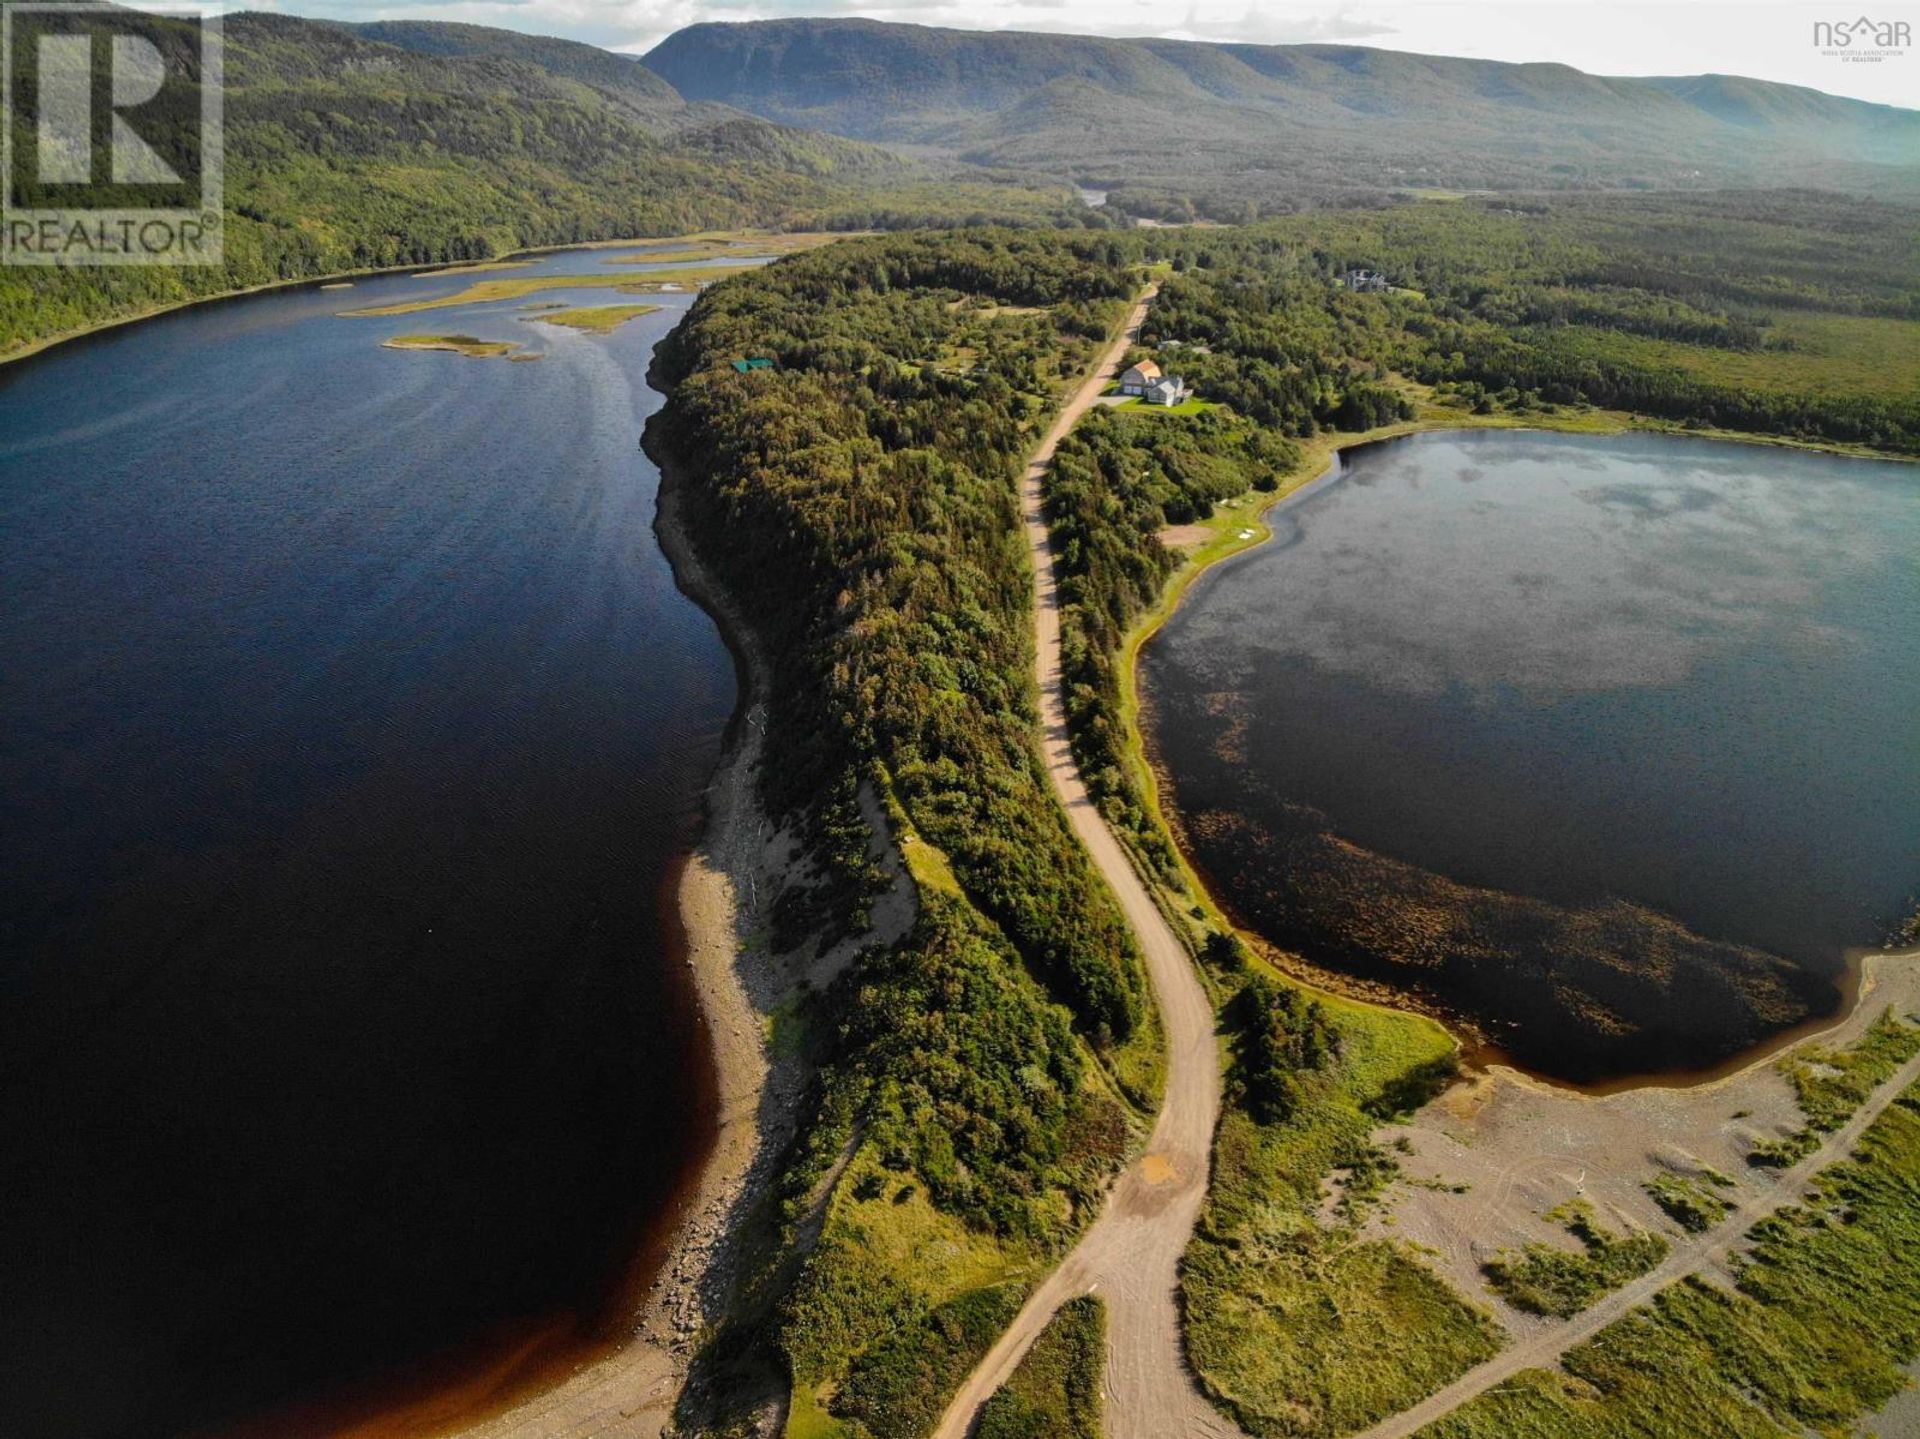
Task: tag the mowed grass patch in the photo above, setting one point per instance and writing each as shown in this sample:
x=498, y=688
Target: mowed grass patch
x=1056, y=1391
x=1816, y=1335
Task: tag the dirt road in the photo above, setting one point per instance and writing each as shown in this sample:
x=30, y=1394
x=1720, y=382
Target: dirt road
x=1709, y=1251
x=1131, y=1254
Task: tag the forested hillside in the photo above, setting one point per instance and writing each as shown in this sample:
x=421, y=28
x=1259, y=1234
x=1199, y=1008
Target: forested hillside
x=410, y=143
x=1230, y=131
x=859, y=498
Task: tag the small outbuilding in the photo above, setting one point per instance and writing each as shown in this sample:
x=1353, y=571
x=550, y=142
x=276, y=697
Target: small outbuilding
x=757, y=362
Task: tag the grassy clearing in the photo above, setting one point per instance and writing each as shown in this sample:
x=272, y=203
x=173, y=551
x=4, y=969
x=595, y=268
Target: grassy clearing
x=1809, y=353
x=1547, y=1279
x=1296, y=1324
x=1831, y=1084
x=1814, y=1337
x=1185, y=407
x=597, y=319
x=458, y=344
x=1055, y=1393
x=1689, y=1200
x=486, y=291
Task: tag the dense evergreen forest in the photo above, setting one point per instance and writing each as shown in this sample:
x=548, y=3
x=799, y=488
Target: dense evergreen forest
x=413, y=144
x=858, y=498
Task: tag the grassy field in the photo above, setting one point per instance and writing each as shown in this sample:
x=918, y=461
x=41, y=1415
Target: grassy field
x=1055, y=1393
x=1551, y=1279
x=1814, y=1337
x=1832, y=1083
x=1808, y=353
x=596, y=319
x=1690, y=1201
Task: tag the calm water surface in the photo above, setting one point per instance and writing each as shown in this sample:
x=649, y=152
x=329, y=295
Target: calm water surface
x=354, y=723
x=1676, y=671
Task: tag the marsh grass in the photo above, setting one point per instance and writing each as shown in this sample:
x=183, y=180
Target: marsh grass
x=458, y=344
x=1815, y=1335
x=482, y=292
x=596, y=319
x=1549, y=1279
x=1689, y=1200
x=1055, y=1393
x=1831, y=1084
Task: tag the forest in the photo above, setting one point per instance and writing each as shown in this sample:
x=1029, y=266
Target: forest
x=352, y=148
x=858, y=498
x=980, y=1079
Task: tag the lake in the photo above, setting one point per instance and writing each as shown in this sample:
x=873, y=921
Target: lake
x=355, y=727
x=1606, y=743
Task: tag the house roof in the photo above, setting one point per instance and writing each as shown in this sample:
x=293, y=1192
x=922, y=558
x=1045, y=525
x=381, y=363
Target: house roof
x=1147, y=370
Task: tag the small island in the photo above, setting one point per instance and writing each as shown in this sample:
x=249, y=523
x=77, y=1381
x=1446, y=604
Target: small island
x=595, y=319
x=468, y=345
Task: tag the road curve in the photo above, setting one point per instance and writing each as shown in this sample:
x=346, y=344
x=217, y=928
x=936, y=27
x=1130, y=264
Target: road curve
x=1131, y=1255
x=1706, y=1252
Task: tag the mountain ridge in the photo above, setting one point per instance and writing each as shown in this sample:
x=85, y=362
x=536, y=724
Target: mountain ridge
x=1284, y=124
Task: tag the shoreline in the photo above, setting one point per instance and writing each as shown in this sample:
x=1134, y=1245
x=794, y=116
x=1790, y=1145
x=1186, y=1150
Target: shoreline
x=1323, y=460
x=633, y=1391
x=342, y=278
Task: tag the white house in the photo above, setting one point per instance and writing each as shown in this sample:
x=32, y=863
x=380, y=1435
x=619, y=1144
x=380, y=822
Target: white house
x=1167, y=390
x=1370, y=282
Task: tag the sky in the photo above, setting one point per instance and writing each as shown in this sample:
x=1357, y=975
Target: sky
x=1772, y=40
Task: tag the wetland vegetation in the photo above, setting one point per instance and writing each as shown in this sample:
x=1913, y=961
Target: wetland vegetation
x=467, y=345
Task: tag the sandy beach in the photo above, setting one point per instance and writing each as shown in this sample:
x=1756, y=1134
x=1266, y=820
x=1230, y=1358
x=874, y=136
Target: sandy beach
x=725, y=891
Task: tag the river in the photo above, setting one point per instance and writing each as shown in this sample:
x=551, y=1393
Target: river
x=355, y=727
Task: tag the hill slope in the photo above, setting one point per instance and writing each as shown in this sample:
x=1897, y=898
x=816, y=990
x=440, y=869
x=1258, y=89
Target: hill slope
x=410, y=143
x=1227, y=124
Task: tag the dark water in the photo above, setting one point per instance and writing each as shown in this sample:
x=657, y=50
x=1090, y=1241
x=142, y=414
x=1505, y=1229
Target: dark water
x=1675, y=671
x=353, y=724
